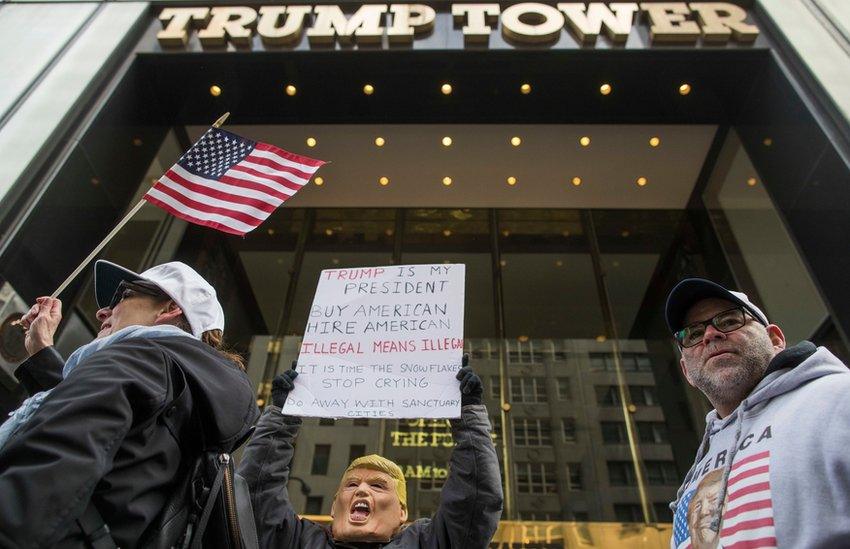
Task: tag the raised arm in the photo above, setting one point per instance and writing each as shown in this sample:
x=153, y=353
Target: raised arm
x=471, y=500
x=43, y=369
x=265, y=466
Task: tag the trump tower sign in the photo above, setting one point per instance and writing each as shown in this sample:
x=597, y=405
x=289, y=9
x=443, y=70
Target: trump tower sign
x=459, y=25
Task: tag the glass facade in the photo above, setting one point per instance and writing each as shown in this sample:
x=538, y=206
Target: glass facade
x=563, y=321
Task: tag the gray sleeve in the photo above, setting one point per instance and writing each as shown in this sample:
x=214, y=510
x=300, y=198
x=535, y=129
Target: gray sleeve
x=265, y=467
x=471, y=500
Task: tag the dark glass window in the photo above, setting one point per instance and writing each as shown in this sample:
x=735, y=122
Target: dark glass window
x=614, y=432
x=355, y=451
x=569, y=428
x=574, y=476
x=532, y=432
x=628, y=512
x=652, y=432
x=564, y=389
x=361, y=422
x=536, y=478
x=327, y=421
x=621, y=473
x=528, y=389
x=662, y=473
x=313, y=505
x=321, y=457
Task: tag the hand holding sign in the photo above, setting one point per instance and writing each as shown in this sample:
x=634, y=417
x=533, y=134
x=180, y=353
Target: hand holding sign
x=382, y=342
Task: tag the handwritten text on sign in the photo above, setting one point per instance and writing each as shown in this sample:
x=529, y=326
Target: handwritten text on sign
x=382, y=342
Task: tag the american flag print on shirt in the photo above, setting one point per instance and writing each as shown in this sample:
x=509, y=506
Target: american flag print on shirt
x=748, y=518
x=230, y=183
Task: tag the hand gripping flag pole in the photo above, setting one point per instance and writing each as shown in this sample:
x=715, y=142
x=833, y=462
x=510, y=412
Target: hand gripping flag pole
x=223, y=181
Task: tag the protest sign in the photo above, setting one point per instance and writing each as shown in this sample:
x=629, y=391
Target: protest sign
x=382, y=342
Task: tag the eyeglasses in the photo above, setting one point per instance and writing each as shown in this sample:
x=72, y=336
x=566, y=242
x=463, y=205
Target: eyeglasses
x=127, y=289
x=726, y=321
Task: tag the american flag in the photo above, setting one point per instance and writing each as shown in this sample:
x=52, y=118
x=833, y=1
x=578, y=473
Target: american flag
x=230, y=183
x=748, y=518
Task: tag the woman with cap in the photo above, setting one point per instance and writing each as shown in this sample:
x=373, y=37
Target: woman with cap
x=104, y=429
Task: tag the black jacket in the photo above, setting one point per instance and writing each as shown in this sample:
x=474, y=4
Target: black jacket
x=470, y=503
x=109, y=433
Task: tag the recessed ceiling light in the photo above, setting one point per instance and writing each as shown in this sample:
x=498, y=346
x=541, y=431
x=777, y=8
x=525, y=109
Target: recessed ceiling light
x=319, y=181
x=516, y=141
x=525, y=89
x=522, y=338
x=290, y=90
x=654, y=141
x=503, y=262
x=605, y=89
x=506, y=233
x=379, y=141
x=368, y=89
x=576, y=181
x=684, y=89
x=601, y=338
x=559, y=263
x=584, y=141
x=512, y=181
x=270, y=231
x=311, y=141
x=215, y=90
x=329, y=232
x=447, y=232
x=641, y=181
x=446, y=89
x=388, y=232
x=137, y=142
x=447, y=181
x=752, y=182
x=625, y=233
x=384, y=181
x=447, y=141
x=767, y=142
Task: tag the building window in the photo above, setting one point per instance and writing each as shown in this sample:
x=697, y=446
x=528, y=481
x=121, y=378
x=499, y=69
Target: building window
x=495, y=387
x=607, y=395
x=643, y=395
x=537, y=516
x=536, y=478
x=621, y=473
x=528, y=389
x=652, y=432
x=313, y=505
x=355, y=451
x=574, y=476
x=361, y=422
x=532, y=432
x=628, y=512
x=661, y=473
x=614, y=432
x=569, y=429
x=327, y=421
x=631, y=362
x=564, y=389
x=662, y=511
x=321, y=457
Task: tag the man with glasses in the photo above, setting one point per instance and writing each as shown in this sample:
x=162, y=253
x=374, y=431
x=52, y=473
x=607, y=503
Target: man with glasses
x=96, y=451
x=776, y=444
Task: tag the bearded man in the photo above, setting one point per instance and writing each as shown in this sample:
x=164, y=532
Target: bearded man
x=775, y=446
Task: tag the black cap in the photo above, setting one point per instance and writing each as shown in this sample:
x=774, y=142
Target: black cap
x=690, y=290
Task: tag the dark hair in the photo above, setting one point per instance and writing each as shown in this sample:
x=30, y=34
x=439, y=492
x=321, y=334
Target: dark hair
x=213, y=338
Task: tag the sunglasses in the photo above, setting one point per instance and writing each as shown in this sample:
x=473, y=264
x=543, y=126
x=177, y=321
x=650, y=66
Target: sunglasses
x=726, y=321
x=129, y=289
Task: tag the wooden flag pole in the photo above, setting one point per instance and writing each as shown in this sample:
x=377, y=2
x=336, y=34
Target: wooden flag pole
x=217, y=124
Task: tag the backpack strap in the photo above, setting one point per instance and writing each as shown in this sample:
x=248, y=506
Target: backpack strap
x=96, y=534
x=212, y=496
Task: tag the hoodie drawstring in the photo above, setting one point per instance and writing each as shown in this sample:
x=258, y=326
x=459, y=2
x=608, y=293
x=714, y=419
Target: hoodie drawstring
x=727, y=467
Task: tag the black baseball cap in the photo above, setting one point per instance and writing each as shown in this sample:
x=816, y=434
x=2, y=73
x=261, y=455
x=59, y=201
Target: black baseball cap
x=690, y=290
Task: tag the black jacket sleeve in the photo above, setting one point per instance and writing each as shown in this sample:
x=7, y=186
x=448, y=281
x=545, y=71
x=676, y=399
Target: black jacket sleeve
x=265, y=465
x=49, y=469
x=41, y=371
x=471, y=499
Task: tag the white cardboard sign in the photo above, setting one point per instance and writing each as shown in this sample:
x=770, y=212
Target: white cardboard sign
x=382, y=342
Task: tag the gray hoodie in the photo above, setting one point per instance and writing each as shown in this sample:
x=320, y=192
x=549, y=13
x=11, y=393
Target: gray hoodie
x=779, y=464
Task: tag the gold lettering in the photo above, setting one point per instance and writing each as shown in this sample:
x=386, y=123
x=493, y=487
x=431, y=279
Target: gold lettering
x=616, y=19
x=176, y=22
x=364, y=25
x=288, y=33
x=409, y=20
x=720, y=21
x=229, y=23
x=669, y=22
x=476, y=20
x=532, y=23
